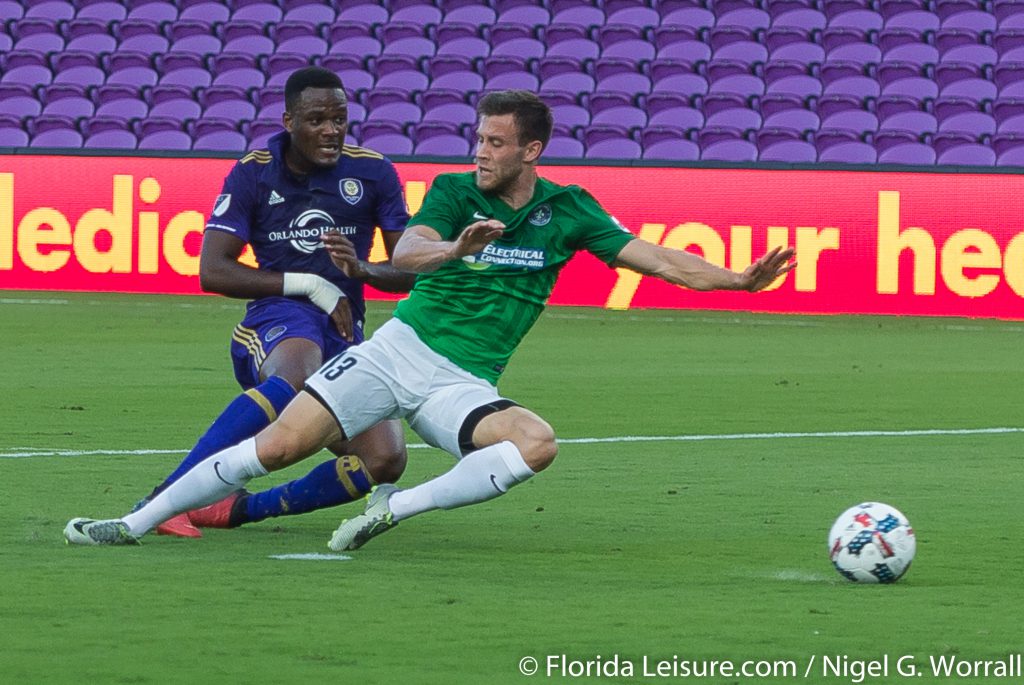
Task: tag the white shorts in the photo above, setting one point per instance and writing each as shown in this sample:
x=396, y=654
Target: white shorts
x=394, y=375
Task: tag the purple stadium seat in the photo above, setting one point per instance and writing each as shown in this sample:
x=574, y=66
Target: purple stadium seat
x=473, y=48
x=413, y=47
x=512, y=80
x=630, y=117
x=683, y=84
x=107, y=10
x=110, y=122
x=778, y=69
x=692, y=17
x=1007, y=112
x=28, y=74
x=1011, y=157
x=453, y=112
x=667, y=113
x=976, y=124
x=740, y=118
x=794, y=151
x=861, y=88
x=179, y=109
x=408, y=81
x=50, y=122
x=155, y=10
x=890, y=8
x=478, y=15
x=449, y=31
x=630, y=13
x=976, y=89
x=572, y=82
x=404, y=112
x=237, y=110
x=262, y=12
x=802, y=87
x=689, y=54
x=379, y=97
x=448, y=145
x=631, y=84
x=736, y=150
x=673, y=150
x=917, y=154
x=858, y=122
x=57, y=138
x=748, y=17
x=571, y=12
x=12, y=135
x=389, y=144
x=968, y=154
x=578, y=48
x=802, y=120
x=313, y=13
x=524, y=14
x=114, y=139
x=967, y=16
x=747, y=52
x=848, y=153
x=416, y=14
x=614, y=149
x=308, y=46
x=356, y=45
x=220, y=140
x=570, y=116
x=205, y=11
x=563, y=147
x=166, y=140
x=73, y=107
x=916, y=123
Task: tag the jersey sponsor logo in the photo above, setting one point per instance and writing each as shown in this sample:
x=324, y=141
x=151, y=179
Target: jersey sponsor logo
x=305, y=230
x=221, y=204
x=351, y=190
x=541, y=216
x=493, y=255
x=275, y=333
x=275, y=198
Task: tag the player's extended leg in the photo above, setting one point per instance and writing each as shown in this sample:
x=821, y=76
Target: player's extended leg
x=376, y=456
x=304, y=428
x=512, y=444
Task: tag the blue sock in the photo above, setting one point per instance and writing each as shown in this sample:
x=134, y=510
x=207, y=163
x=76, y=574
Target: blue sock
x=247, y=415
x=331, y=483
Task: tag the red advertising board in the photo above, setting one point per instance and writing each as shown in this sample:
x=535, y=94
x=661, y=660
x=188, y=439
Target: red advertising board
x=921, y=243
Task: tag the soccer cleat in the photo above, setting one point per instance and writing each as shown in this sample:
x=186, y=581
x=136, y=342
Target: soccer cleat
x=179, y=526
x=83, y=531
x=356, y=532
x=218, y=514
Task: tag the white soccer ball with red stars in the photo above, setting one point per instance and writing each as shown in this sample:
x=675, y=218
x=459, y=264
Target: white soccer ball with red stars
x=872, y=543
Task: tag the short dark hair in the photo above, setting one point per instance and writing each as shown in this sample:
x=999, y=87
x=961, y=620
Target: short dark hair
x=532, y=116
x=308, y=77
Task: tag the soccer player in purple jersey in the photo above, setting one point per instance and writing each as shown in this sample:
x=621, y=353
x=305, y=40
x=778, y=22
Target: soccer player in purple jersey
x=306, y=191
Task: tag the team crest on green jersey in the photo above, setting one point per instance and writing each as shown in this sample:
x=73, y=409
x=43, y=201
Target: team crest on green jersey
x=541, y=215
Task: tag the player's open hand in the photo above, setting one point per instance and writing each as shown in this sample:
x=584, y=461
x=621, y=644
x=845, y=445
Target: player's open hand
x=343, y=254
x=342, y=318
x=765, y=270
x=477, y=236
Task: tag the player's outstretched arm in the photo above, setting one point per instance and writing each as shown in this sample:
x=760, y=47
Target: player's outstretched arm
x=421, y=249
x=690, y=270
x=221, y=272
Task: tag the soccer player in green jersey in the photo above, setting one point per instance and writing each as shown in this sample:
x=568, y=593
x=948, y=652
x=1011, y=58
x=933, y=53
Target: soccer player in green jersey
x=488, y=246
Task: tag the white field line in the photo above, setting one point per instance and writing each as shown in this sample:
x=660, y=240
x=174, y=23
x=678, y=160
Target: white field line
x=28, y=452
x=666, y=316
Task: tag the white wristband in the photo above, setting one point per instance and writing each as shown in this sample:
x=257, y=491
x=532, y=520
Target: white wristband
x=320, y=291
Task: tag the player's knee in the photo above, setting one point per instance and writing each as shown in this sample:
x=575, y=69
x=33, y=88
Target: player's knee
x=537, y=444
x=387, y=466
x=279, y=447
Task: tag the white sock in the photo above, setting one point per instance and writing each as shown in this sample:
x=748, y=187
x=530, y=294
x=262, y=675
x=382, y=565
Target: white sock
x=209, y=481
x=478, y=477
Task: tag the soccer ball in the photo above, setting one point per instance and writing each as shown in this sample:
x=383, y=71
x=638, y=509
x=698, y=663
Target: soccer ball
x=872, y=543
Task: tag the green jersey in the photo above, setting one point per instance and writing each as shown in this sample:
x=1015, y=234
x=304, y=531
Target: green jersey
x=476, y=310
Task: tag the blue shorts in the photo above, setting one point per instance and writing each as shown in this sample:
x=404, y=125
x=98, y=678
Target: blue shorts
x=270, y=321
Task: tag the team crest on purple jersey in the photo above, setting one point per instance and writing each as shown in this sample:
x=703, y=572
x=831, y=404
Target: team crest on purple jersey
x=221, y=204
x=351, y=190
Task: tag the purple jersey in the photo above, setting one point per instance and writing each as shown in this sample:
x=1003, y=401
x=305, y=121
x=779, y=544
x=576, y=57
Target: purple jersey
x=282, y=216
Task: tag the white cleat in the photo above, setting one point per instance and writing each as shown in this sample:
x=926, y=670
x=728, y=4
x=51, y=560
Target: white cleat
x=355, y=532
x=83, y=531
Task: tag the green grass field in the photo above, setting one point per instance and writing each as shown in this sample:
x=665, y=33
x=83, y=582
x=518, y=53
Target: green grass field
x=709, y=549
